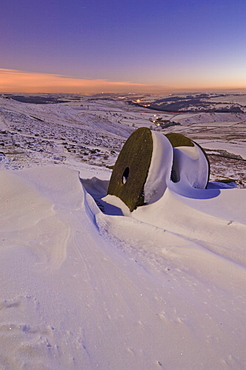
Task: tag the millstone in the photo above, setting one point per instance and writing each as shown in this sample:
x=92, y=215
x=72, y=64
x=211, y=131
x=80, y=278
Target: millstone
x=131, y=169
x=148, y=159
x=200, y=180
x=179, y=140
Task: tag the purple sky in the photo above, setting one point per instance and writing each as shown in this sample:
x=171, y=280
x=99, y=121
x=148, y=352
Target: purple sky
x=170, y=43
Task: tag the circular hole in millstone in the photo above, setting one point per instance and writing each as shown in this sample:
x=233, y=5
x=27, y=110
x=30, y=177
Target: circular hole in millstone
x=125, y=175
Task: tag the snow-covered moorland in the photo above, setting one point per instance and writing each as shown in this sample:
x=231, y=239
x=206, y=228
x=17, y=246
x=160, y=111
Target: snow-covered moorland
x=84, y=286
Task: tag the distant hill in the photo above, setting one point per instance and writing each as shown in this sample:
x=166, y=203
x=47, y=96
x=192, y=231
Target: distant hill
x=207, y=103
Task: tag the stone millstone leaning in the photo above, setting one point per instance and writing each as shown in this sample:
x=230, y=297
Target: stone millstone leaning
x=149, y=161
x=131, y=169
x=190, y=162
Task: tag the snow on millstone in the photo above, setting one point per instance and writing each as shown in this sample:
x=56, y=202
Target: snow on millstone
x=159, y=169
x=190, y=163
x=149, y=160
x=140, y=172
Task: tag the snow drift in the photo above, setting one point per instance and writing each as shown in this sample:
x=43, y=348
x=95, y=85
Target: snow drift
x=84, y=289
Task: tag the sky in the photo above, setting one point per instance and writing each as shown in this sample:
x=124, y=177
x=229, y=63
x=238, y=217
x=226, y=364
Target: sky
x=88, y=46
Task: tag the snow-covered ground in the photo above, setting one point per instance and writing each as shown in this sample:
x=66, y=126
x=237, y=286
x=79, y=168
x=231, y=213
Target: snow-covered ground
x=81, y=288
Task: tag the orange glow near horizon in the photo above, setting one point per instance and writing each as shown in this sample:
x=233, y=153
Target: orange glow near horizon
x=15, y=81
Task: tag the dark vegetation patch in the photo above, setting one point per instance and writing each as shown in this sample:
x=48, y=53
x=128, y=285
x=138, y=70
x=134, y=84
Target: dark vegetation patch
x=37, y=99
x=39, y=119
x=225, y=166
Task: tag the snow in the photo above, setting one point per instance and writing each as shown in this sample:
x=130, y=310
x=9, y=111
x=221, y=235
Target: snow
x=80, y=288
x=190, y=167
x=232, y=147
x=160, y=168
x=161, y=287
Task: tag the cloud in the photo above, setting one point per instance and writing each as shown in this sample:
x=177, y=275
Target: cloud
x=19, y=81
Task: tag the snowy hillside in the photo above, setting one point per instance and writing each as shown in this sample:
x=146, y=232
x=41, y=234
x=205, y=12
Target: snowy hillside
x=198, y=102
x=94, y=130
x=84, y=286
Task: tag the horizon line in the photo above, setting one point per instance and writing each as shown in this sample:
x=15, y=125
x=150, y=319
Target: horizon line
x=17, y=81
